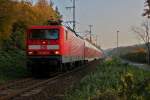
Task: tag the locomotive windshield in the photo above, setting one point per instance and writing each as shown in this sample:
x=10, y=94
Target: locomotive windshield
x=44, y=34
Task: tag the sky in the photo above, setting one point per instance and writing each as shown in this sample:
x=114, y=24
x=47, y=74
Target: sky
x=107, y=17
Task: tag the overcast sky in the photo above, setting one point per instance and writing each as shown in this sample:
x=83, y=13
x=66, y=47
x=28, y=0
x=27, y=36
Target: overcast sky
x=106, y=16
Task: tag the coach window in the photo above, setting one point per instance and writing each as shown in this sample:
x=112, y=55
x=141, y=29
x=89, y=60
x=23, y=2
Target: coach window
x=66, y=34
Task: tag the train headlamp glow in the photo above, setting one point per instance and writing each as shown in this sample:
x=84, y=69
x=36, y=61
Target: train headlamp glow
x=30, y=52
x=56, y=52
x=43, y=42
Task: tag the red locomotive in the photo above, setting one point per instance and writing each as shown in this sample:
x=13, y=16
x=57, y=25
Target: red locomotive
x=57, y=46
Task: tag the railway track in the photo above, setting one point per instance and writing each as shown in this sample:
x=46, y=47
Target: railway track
x=14, y=89
x=14, y=83
x=23, y=87
x=27, y=87
x=11, y=90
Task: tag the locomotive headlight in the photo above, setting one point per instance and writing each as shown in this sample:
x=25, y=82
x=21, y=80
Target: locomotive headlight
x=56, y=52
x=30, y=52
x=43, y=42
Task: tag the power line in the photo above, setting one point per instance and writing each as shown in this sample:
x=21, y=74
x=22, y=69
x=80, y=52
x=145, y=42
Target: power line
x=117, y=42
x=74, y=14
x=90, y=26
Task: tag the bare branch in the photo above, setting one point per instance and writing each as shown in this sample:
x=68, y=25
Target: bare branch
x=139, y=32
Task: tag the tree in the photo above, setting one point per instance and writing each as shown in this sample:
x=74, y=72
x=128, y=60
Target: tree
x=144, y=33
x=51, y=3
x=7, y=8
x=17, y=15
x=147, y=9
x=42, y=3
x=57, y=13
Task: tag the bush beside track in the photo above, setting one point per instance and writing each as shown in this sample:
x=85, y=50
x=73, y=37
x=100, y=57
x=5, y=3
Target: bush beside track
x=139, y=57
x=113, y=81
x=12, y=65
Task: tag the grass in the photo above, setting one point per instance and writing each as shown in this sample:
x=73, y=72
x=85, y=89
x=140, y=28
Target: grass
x=112, y=81
x=12, y=65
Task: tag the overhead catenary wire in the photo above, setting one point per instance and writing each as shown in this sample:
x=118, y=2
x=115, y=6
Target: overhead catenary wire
x=74, y=14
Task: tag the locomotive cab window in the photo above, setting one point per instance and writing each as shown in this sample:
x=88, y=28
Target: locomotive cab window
x=44, y=34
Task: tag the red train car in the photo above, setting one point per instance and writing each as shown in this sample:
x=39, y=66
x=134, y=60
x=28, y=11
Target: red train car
x=92, y=52
x=53, y=44
x=57, y=47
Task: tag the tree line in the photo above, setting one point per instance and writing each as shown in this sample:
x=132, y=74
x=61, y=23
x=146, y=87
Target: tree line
x=144, y=30
x=17, y=15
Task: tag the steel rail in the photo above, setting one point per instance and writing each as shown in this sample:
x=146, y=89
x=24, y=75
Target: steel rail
x=19, y=92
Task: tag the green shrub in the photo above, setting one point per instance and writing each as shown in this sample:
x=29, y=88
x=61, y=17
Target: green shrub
x=135, y=57
x=12, y=64
x=112, y=81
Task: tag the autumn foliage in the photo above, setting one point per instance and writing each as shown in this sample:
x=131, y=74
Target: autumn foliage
x=16, y=16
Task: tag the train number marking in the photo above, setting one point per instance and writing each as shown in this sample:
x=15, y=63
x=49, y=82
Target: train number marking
x=43, y=46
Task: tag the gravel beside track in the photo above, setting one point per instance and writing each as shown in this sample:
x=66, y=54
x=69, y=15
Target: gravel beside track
x=46, y=89
x=14, y=83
